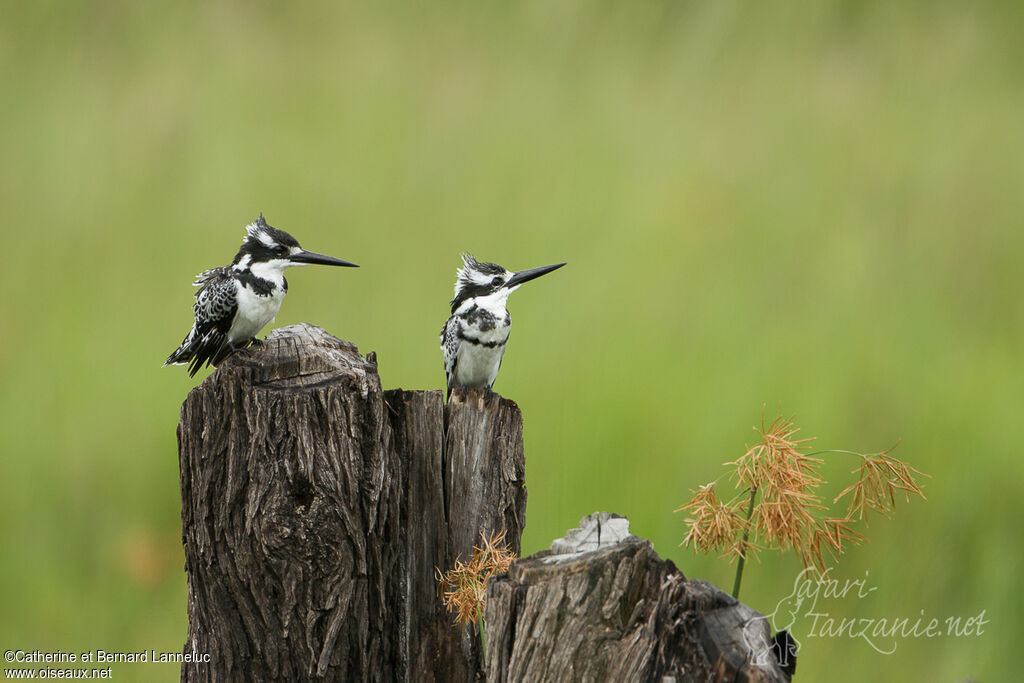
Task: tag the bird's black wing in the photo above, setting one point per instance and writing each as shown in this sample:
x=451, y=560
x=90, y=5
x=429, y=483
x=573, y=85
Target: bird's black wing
x=215, y=308
x=450, y=346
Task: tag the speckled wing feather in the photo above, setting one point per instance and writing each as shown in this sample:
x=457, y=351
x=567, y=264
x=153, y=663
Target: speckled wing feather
x=450, y=346
x=215, y=308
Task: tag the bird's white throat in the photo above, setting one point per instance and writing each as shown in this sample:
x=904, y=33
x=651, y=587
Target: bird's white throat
x=272, y=271
x=494, y=303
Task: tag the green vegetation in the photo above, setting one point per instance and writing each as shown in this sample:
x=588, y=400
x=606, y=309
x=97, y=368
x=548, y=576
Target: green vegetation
x=816, y=208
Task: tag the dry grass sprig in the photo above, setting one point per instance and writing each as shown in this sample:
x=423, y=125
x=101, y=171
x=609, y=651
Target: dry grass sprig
x=881, y=478
x=790, y=515
x=741, y=549
x=776, y=458
x=712, y=523
x=464, y=587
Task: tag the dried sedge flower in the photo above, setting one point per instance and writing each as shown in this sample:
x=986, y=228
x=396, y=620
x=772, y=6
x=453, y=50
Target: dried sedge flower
x=741, y=549
x=464, y=588
x=713, y=524
x=777, y=459
x=779, y=472
x=784, y=521
x=829, y=535
x=880, y=478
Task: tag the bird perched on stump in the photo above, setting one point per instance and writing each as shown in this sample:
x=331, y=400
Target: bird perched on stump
x=474, y=337
x=235, y=302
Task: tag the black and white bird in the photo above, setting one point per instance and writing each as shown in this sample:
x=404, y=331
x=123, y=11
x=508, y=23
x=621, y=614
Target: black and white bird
x=474, y=337
x=235, y=302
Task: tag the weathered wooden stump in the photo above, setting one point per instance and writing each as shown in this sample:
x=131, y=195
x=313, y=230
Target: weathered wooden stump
x=316, y=507
x=600, y=605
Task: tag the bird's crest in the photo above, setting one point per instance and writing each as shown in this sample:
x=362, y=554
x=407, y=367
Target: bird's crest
x=474, y=272
x=262, y=232
x=476, y=278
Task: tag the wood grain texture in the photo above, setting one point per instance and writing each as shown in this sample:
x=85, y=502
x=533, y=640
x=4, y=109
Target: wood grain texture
x=484, y=483
x=600, y=605
x=315, y=508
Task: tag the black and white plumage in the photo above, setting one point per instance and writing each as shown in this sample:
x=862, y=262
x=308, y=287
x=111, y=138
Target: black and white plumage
x=474, y=337
x=235, y=302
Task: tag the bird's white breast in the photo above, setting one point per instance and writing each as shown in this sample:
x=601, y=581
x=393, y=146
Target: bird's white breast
x=477, y=363
x=477, y=366
x=254, y=312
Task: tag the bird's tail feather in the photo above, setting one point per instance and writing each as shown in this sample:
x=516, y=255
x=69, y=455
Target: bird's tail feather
x=209, y=351
x=197, y=352
x=183, y=353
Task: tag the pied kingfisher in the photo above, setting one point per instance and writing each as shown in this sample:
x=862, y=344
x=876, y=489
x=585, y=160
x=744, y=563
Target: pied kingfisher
x=474, y=338
x=235, y=302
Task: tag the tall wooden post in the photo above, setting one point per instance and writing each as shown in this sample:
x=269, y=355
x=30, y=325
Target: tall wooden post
x=316, y=507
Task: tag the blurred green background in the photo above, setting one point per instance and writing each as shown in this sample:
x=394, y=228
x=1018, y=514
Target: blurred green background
x=813, y=208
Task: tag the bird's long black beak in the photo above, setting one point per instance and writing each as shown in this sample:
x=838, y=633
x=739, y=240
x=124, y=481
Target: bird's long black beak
x=313, y=257
x=527, y=275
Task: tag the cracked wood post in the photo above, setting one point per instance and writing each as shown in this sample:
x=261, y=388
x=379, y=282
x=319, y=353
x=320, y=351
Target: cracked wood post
x=600, y=605
x=316, y=507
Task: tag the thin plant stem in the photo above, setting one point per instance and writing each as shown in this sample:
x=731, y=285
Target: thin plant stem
x=833, y=450
x=746, y=538
x=483, y=640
